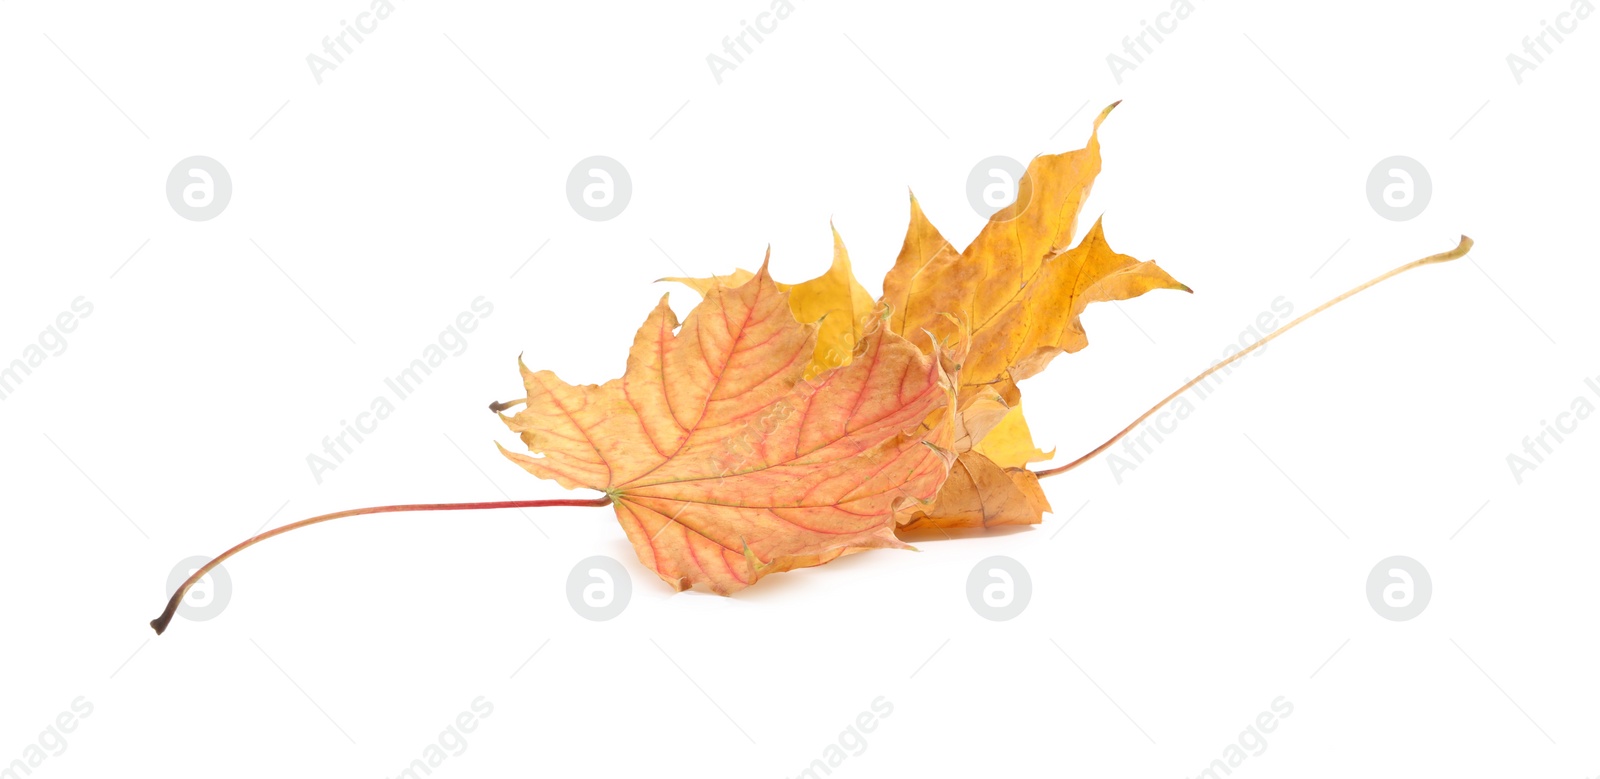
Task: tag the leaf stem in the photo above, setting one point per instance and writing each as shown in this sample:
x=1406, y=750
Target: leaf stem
x=160, y=623
x=501, y=405
x=1456, y=253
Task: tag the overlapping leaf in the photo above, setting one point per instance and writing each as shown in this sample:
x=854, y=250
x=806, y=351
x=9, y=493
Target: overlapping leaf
x=722, y=462
x=1014, y=296
x=1017, y=289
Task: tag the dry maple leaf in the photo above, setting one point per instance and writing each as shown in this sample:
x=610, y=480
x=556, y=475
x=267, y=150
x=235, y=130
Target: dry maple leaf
x=1016, y=289
x=723, y=464
x=1015, y=295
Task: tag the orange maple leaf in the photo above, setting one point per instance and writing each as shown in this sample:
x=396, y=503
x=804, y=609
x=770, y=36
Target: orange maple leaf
x=722, y=463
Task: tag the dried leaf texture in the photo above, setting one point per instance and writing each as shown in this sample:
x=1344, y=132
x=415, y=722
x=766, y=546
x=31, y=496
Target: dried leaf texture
x=1014, y=298
x=723, y=463
x=1017, y=290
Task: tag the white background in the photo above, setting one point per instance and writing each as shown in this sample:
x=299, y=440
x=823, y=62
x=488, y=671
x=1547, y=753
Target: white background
x=1226, y=570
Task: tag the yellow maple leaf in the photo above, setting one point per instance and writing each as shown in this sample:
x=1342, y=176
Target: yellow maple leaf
x=1013, y=298
x=1016, y=289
